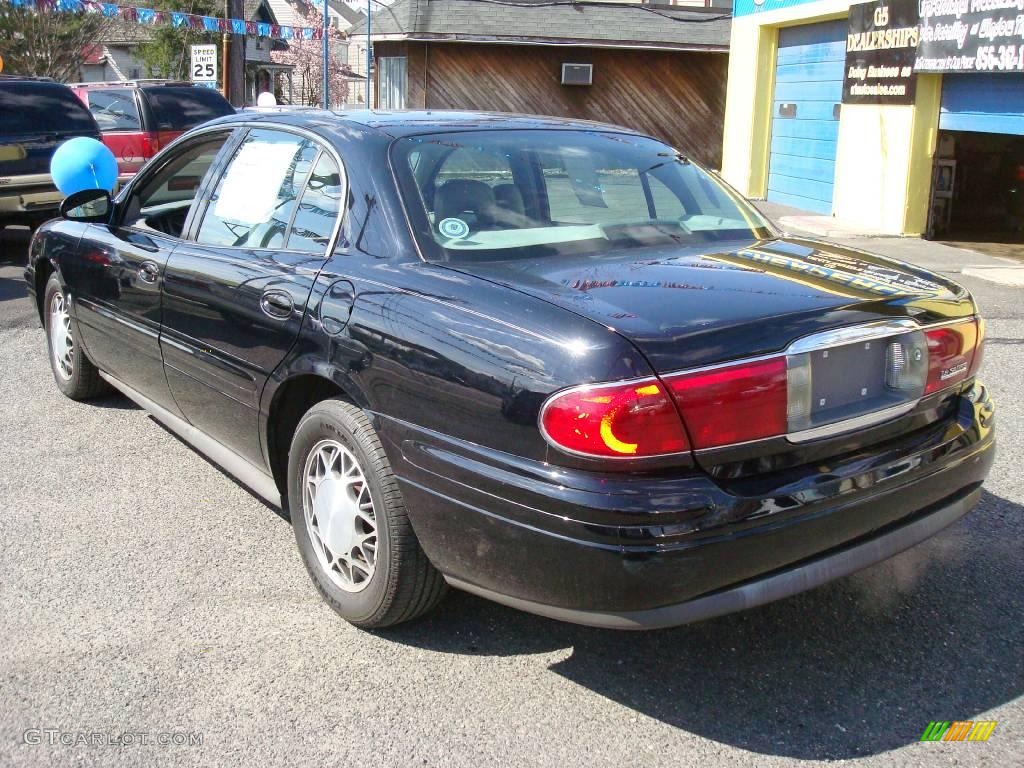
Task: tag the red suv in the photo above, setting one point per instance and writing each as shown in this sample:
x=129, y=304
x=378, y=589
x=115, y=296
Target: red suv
x=139, y=117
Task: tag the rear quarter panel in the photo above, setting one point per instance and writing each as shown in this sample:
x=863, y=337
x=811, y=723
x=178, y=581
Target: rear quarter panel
x=454, y=355
x=127, y=147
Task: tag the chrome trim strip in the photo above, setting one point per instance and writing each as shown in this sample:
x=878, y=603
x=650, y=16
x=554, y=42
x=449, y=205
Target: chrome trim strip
x=849, y=425
x=118, y=317
x=836, y=337
x=322, y=141
x=765, y=589
x=728, y=364
x=852, y=334
x=258, y=481
x=25, y=180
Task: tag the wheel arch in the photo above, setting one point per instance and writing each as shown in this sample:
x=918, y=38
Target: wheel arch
x=43, y=269
x=288, y=401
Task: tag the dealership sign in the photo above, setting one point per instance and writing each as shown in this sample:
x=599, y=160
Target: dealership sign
x=952, y=36
x=880, y=50
x=971, y=36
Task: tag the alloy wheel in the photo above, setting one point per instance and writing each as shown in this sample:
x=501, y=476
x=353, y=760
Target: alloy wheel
x=340, y=516
x=62, y=343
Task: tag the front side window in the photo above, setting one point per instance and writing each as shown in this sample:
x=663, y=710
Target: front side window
x=162, y=201
x=256, y=197
x=527, y=194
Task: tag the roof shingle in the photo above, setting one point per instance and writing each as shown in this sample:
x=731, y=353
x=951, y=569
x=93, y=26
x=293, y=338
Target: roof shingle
x=597, y=23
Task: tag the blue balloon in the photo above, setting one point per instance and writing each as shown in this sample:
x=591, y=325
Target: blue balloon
x=83, y=163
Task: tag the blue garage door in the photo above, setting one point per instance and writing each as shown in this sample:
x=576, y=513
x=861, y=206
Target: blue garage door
x=805, y=115
x=985, y=103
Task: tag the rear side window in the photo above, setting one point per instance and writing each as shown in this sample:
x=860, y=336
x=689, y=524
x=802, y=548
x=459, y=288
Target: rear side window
x=178, y=109
x=28, y=107
x=256, y=196
x=314, y=220
x=114, y=110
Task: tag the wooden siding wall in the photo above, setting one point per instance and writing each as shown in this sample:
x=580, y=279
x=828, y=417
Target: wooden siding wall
x=676, y=96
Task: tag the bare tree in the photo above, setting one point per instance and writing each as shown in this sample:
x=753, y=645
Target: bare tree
x=46, y=42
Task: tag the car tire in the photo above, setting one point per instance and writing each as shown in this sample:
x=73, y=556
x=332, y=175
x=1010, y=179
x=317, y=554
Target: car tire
x=73, y=371
x=350, y=521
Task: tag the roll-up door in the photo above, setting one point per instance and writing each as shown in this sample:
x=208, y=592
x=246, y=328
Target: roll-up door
x=983, y=103
x=805, y=115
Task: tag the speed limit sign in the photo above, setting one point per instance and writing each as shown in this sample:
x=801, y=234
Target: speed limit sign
x=204, y=64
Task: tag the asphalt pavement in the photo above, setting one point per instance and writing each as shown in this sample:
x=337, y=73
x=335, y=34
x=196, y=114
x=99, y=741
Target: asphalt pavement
x=145, y=598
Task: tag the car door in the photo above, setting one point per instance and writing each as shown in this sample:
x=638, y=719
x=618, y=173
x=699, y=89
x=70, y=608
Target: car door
x=116, y=280
x=236, y=293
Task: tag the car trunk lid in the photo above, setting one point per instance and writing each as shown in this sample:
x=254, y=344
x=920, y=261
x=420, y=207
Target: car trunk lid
x=688, y=310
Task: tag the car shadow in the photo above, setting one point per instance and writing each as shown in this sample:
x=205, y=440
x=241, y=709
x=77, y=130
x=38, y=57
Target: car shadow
x=14, y=245
x=854, y=668
x=281, y=512
x=11, y=288
x=115, y=401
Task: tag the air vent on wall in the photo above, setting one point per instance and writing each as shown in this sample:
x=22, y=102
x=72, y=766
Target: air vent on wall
x=577, y=74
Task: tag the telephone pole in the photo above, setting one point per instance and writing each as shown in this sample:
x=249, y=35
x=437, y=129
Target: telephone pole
x=236, y=58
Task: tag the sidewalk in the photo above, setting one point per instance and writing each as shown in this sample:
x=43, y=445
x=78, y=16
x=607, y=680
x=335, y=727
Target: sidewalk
x=926, y=253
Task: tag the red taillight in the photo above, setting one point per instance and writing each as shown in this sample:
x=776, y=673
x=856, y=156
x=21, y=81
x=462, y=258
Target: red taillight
x=630, y=420
x=150, y=144
x=780, y=396
x=951, y=355
x=733, y=404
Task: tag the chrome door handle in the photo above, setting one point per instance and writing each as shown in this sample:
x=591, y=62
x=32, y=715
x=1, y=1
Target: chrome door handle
x=149, y=271
x=277, y=304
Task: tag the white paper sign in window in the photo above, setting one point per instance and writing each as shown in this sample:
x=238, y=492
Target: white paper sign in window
x=251, y=188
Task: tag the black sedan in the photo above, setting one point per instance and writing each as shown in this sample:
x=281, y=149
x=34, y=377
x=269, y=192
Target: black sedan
x=554, y=363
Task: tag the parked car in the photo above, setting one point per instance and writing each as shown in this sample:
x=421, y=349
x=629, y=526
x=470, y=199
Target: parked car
x=554, y=363
x=36, y=116
x=138, y=117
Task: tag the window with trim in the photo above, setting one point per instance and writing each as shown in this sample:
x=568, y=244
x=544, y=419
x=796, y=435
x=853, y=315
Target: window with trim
x=392, y=82
x=318, y=209
x=115, y=109
x=492, y=195
x=256, y=196
x=161, y=202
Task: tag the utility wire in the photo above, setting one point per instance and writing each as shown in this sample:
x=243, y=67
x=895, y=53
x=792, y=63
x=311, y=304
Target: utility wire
x=585, y=3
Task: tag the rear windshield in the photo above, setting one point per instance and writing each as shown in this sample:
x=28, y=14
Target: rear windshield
x=34, y=108
x=114, y=109
x=178, y=109
x=482, y=195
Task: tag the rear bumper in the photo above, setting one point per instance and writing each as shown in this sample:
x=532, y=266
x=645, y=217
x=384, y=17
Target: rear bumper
x=633, y=551
x=774, y=586
x=30, y=204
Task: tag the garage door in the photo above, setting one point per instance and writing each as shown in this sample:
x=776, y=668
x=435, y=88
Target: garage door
x=805, y=115
x=984, y=103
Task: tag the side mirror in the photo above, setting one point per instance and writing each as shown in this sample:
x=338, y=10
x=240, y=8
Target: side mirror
x=93, y=205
